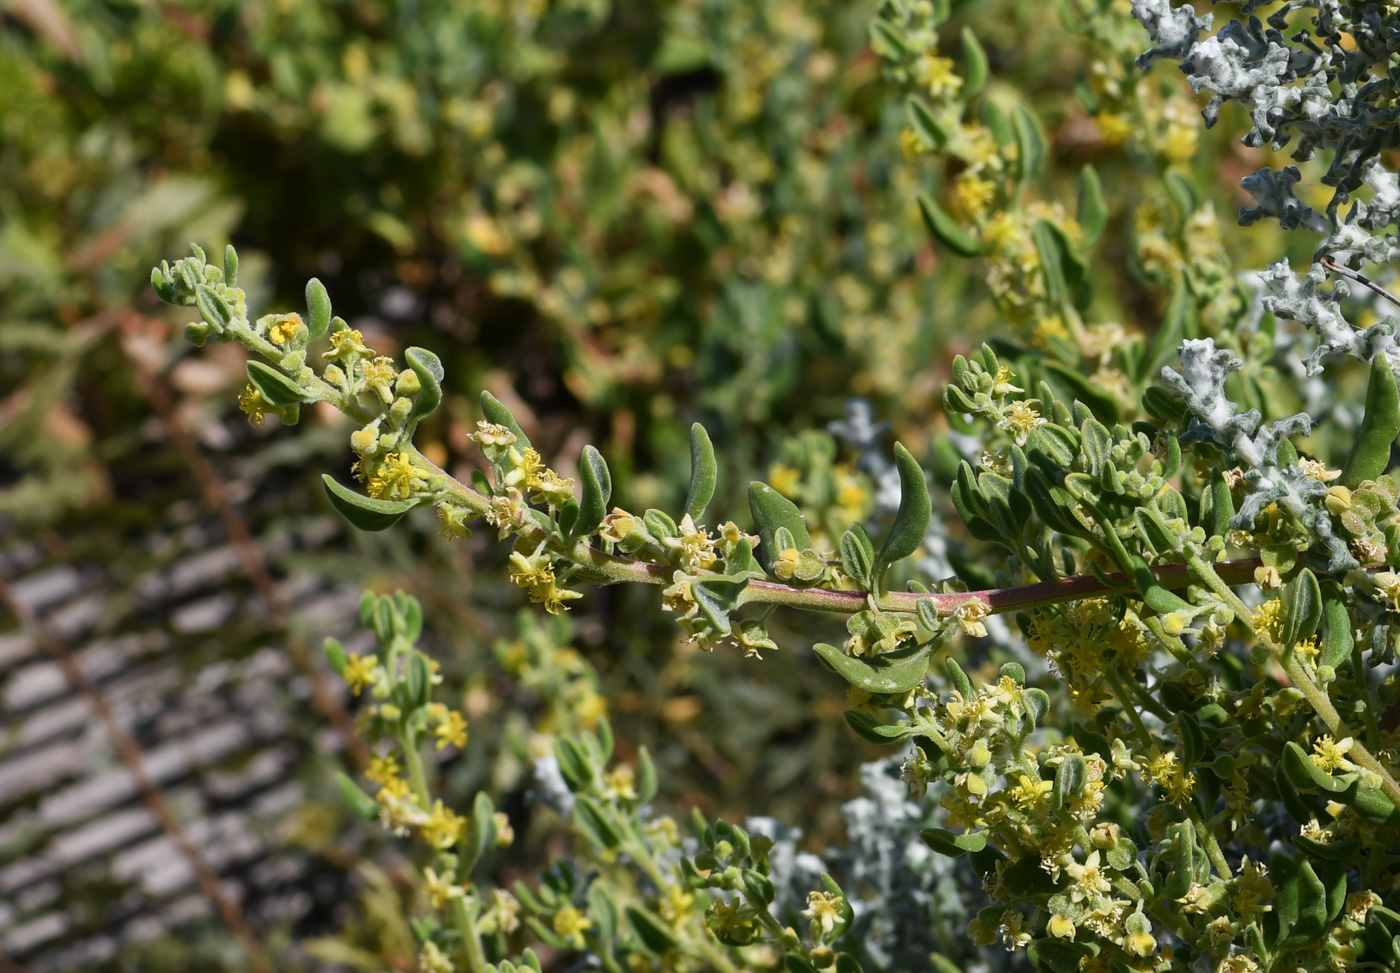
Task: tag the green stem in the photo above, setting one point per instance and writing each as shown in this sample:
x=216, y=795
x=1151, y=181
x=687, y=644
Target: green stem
x=1363, y=693
x=1172, y=643
x=1315, y=696
x=416, y=778
x=1207, y=833
x=465, y=917
x=1122, y=693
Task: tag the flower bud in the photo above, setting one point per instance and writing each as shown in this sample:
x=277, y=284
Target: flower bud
x=408, y=383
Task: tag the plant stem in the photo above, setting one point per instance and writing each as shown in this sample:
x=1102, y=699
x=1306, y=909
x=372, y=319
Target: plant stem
x=1363, y=691
x=1122, y=693
x=414, y=760
x=471, y=939
x=1207, y=833
x=1316, y=697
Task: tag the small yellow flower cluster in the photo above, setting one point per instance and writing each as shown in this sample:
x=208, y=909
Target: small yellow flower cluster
x=824, y=909
x=449, y=726
x=535, y=573
x=251, y=401
x=395, y=477
x=1166, y=771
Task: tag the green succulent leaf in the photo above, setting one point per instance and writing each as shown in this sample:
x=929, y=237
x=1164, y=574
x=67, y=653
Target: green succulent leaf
x=890, y=673
x=318, y=308
x=946, y=231
x=952, y=843
x=495, y=411
x=771, y=511
x=1030, y=143
x=1093, y=213
x=359, y=803
x=365, y=513
x=1304, y=609
x=1370, y=456
x=703, y=473
x=427, y=367
x=974, y=64
x=912, y=519
x=275, y=387
x=212, y=308
x=925, y=126
x=596, y=491
x=655, y=936
x=717, y=597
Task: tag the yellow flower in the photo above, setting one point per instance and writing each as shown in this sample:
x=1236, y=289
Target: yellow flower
x=1359, y=904
x=381, y=770
x=379, y=375
x=251, y=401
x=1030, y=793
x=1113, y=129
x=443, y=829
x=528, y=466
x=491, y=434
x=503, y=915
x=454, y=520
x=550, y=488
x=432, y=960
x=1019, y=419
x=359, y=671
x=1013, y=931
x=1060, y=927
x=1049, y=329
x=786, y=563
x=1140, y=943
x=696, y=547
x=1269, y=619
x=824, y=909
x=572, y=924
x=675, y=904
x=910, y=145
x=939, y=76
x=440, y=888
x=970, y=615
x=506, y=513
x=396, y=478
x=1089, y=880
x=451, y=730
x=620, y=784
x=972, y=194
x=392, y=789
x=1330, y=755
x=1180, y=142
x=1001, y=383
x=1388, y=583
x=346, y=343
x=1314, y=470
x=287, y=328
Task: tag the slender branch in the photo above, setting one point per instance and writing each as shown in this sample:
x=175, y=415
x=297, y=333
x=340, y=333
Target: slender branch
x=465, y=916
x=1316, y=696
x=1361, y=279
x=130, y=753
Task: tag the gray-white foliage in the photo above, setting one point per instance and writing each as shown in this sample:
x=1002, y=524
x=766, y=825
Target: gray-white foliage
x=1318, y=74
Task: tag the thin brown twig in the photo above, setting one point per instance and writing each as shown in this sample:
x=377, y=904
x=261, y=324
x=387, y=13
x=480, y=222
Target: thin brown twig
x=1361, y=279
x=240, y=537
x=130, y=753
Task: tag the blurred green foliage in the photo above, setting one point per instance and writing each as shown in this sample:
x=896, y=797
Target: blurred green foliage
x=620, y=217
